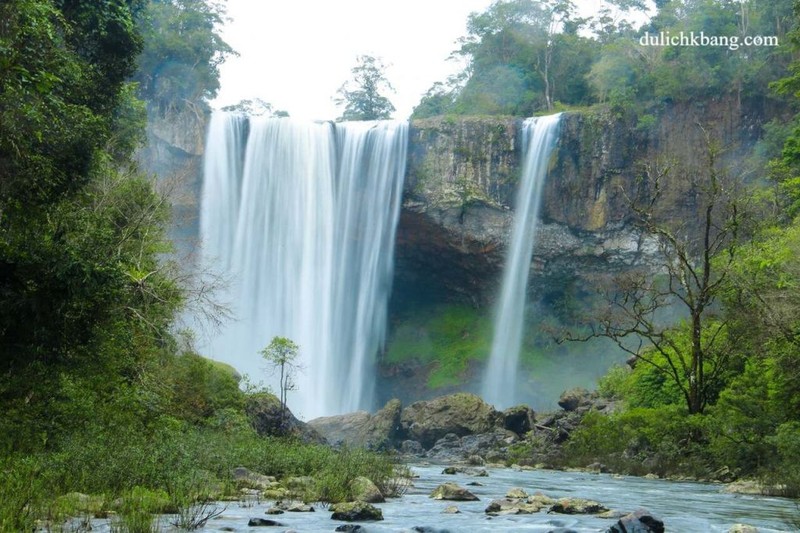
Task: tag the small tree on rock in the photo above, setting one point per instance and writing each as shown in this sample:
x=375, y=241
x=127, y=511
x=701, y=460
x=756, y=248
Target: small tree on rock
x=281, y=354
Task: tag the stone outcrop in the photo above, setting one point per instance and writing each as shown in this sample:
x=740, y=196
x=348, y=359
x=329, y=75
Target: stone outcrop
x=379, y=431
x=267, y=418
x=460, y=414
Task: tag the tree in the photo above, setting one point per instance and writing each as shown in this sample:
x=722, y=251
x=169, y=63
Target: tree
x=697, y=255
x=282, y=355
x=362, y=95
x=182, y=53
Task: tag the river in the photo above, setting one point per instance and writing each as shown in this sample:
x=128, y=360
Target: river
x=686, y=507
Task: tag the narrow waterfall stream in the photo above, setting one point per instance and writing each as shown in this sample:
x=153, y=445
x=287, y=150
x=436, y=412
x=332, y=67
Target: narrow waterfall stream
x=499, y=381
x=302, y=218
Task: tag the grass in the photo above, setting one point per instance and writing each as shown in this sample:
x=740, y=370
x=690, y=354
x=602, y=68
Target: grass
x=172, y=468
x=446, y=337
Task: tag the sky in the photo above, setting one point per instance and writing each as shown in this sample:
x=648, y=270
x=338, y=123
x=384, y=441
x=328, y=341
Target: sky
x=295, y=54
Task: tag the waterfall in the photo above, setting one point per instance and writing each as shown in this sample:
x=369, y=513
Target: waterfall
x=303, y=221
x=500, y=379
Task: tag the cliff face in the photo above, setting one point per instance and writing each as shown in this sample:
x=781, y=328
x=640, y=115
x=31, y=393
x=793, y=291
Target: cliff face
x=463, y=174
x=174, y=153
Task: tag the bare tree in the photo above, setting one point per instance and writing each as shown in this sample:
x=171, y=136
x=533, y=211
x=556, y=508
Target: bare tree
x=697, y=245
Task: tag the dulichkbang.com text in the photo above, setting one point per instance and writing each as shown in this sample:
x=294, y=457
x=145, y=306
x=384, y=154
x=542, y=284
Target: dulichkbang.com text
x=732, y=42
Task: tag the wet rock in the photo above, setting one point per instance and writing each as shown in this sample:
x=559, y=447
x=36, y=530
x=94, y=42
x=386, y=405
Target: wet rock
x=350, y=528
x=428, y=529
x=298, y=507
x=355, y=512
x=460, y=414
x=516, y=493
x=639, y=521
x=467, y=470
x=541, y=499
x=452, y=509
x=742, y=528
x=519, y=419
x=507, y=506
x=451, y=491
x=562, y=530
x=292, y=507
x=577, y=506
x=274, y=511
x=262, y=522
x=365, y=490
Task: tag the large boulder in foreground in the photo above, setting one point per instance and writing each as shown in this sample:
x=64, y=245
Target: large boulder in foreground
x=264, y=412
x=460, y=414
x=380, y=431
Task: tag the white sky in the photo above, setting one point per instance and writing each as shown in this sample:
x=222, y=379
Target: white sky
x=295, y=54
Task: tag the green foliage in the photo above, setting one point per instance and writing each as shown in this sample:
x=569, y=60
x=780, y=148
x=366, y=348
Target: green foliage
x=664, y=441
x=334, y=482
x=447, y=337
x=182, y=53
x=362, y=96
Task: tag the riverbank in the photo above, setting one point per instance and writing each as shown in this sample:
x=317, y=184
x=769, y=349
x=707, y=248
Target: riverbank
x=683, y=506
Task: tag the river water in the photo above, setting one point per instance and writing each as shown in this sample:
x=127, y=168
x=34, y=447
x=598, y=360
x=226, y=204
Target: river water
x=684, y=507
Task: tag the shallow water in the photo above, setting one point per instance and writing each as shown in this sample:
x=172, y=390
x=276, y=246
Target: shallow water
x=683, y=506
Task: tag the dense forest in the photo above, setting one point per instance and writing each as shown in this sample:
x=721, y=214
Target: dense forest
x=101, y=393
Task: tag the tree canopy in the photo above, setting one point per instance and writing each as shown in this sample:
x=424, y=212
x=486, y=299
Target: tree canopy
x=363, y=95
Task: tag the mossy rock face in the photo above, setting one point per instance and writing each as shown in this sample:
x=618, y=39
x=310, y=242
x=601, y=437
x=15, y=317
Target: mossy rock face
x=355, y=512
x=461, y=414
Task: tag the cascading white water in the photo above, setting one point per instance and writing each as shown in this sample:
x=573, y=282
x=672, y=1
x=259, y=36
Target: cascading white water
x=311, y=255
x=499, y=382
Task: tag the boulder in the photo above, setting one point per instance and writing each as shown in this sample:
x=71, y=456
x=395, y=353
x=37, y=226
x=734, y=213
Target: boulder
x=507, y=506
x=460, y=414
x=411, y=447
x=365, y=490
x=355, y=512
x=380, y=431
x=639, y=521
x=341, y=430
x=577, y=506
x=451, y=509
x=519, y=419
x=573, y=399
x=264, y=412
x=451, y=491
x=350, y=528
x=516, y=493
x=262, y=522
